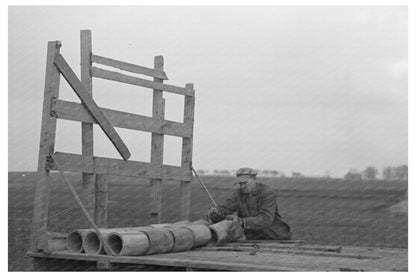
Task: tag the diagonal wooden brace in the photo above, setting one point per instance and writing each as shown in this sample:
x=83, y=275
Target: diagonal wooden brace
x=91, y=106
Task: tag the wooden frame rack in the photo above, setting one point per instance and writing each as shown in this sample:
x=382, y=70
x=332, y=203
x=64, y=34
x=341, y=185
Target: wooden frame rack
x=95, y=169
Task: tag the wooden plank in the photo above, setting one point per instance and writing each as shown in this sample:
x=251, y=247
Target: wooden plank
x=107, y=266
x=277, y=244
x=102, y=165
x=394, y=259
x=292, y=241
x=185, y=196
x=94, y=187
x=77, y=112
x=185, y=193
x=224, y=260
x=38, y=238
x=101, y=200
x=241, y=261
x=168, y=260
x=116, y=76
x=87, y=135
x=156, y=158
x=253, y=250
x=92, y=107
x=380, y=252
x=130, y=67
x=316, y=263
x=155, y=208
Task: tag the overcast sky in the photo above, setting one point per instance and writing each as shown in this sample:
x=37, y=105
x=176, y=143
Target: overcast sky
x=307, y=89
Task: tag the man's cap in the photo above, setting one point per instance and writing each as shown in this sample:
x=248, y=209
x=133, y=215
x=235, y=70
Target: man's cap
x=246, y=172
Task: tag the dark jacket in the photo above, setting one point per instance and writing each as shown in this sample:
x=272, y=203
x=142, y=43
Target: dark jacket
x=260, y=213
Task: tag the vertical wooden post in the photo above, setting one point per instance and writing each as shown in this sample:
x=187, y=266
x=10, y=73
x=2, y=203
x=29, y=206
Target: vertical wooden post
x=156, y=158
x=46, y=148
x=88, y=179
x=188, y=118
x=101, y=200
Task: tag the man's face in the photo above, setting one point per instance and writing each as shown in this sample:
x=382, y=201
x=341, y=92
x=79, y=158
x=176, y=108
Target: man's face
x=247, y=184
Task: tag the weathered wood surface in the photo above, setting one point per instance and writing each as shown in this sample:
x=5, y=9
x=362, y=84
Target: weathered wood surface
x=101, y=200
x=107, y=266
x=188, y=118
x=294, y=251
x=38, y=238
x=286, y=245
x=75, y=163
x=116, y=76
x=157, y=143
x=87, y=135
x=77, y=112
x=258, y=259
x=92, y=107
x=130, y=67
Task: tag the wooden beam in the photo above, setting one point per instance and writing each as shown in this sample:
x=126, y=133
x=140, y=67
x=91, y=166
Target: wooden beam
x=77, y=112
x=101, y=200
x=130, y=67
x=38, y=238
x=185, y=192
x=115, y=76
x=155, y=201
x=156, y=158
x=92, y=107
x=76, y=163
x=88, y=179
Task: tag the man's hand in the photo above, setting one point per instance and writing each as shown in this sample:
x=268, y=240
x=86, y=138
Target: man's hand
x=212, y=211
x=237, y=227
x=237, y=222
x=213, y=214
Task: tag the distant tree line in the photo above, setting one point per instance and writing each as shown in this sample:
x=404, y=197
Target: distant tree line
x=372, y=173
x=369, y=173
x=263, y=173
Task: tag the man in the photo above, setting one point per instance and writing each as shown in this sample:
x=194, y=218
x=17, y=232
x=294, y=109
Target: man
x=256, y=207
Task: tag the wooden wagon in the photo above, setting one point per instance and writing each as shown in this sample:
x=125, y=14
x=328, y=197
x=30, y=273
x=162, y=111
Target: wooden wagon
x=238, y=256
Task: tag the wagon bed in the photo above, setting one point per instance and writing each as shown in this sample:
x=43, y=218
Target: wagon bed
x=239, y=256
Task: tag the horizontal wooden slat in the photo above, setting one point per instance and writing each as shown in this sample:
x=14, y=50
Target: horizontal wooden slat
x=92, y=107
x=77, y=112
x=130, y=67
x=116, y=76
x=101, y=165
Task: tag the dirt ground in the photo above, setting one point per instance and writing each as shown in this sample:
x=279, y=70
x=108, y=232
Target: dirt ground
x=319, y=211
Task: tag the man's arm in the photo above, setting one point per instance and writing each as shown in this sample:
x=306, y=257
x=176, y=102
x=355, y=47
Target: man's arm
x=230, y=206
x=266, y=212
x=216, y=214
